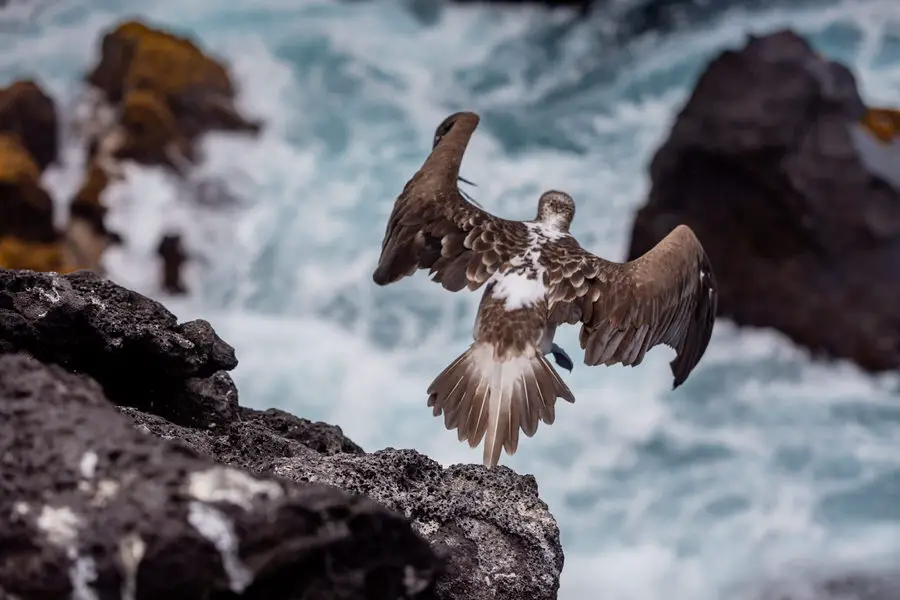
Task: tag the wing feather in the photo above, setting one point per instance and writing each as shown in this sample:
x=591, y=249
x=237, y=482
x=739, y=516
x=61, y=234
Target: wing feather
x=433, y=227
x=667, y=296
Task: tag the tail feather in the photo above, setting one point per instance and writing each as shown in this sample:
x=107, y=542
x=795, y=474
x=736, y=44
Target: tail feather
x=488, y=399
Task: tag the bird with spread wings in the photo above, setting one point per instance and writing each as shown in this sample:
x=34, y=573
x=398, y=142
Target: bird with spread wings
x=537, y=277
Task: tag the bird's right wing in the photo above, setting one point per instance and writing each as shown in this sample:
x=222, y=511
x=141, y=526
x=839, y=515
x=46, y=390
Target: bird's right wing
x=433, y=227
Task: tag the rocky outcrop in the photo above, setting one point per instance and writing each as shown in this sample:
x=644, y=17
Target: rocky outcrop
x=197, y=495
x=763, y=162
x=94, y=508
x=497, y=536
x=169, y=93
x=28, y=237
x=27, y=111
x=131, y=345
x=28, y=145
x=26, y=209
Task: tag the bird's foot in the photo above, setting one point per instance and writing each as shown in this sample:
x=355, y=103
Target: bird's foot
x=561, y=358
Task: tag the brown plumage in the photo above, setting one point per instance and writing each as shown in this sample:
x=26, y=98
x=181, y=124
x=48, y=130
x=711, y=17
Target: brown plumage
x=538, y=277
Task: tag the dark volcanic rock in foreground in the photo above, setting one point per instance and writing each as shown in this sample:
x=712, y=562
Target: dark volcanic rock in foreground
x=93, y=507
x=76, y=467
x=132, y=345
x=763, y=164
x=499, y=539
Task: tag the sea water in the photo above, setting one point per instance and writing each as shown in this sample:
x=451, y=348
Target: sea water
x=764, y=465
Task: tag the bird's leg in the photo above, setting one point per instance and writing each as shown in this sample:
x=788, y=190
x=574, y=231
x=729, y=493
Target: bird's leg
x=561, y=357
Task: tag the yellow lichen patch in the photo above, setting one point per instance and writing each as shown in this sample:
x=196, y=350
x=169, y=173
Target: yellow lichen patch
x=17, y=167
x=22, y=194
x=169, y=91
x=884, y=123
x=168, y=65
x=170, y=70
x=35, y=256
x=132, y=30
x=26, y=111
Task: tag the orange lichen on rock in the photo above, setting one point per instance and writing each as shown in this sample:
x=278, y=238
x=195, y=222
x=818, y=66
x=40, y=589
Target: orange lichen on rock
x=17, y=167
x=152, y=134
x=884, y=123
x=28, y=144
x=26, y=209
x=169, y=90
x=28, y=239
x=171, y=66
x=16, y=253
x=135, y=56
x=25, y=110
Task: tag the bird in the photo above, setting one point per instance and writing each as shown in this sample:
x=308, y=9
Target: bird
x=536, y=277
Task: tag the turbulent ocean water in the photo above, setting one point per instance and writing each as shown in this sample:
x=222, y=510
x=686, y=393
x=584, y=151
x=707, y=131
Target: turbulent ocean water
x=764, y=466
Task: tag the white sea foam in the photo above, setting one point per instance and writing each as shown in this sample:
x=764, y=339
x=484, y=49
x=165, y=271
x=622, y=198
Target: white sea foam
x=762, y=458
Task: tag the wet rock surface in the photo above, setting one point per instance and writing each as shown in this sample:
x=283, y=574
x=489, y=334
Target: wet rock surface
x=159, y=413
x=762, y=163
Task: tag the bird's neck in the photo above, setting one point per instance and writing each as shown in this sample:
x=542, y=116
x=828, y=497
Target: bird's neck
x=553, y=222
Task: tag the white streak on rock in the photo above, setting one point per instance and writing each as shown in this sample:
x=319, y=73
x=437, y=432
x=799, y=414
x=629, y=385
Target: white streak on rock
x=215, y=527
x=88, y=464
x=82, y=572
x=413, y=581
x=106, y=490
x=224, y=484
x=59, y=525
x=131, y=553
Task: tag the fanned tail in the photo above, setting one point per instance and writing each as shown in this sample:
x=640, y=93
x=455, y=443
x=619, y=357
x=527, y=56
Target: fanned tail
x=485, y=398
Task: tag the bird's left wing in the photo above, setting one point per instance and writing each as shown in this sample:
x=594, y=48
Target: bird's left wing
x=667, y=296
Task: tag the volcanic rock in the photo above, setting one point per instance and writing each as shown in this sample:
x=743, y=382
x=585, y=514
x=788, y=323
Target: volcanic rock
x=92, y=508
x=28, y=112
x=490, y=534
x=169, y=92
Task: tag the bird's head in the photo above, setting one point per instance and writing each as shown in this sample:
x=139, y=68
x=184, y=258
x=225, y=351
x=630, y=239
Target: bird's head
x=442, y=130
x=556, y=209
